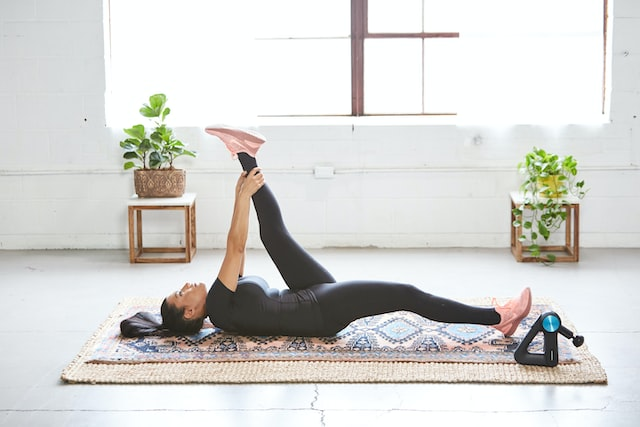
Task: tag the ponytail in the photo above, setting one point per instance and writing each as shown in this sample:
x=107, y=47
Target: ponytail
x=142, y=324
x=173, y=322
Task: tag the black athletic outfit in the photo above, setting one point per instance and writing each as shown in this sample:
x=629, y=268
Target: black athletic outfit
x=315, y=304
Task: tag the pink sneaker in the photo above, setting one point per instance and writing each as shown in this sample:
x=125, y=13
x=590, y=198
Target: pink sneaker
x=238, y=140
x=512, y=313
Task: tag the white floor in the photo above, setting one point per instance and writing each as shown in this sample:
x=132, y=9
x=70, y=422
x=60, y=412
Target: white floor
x=51, y=302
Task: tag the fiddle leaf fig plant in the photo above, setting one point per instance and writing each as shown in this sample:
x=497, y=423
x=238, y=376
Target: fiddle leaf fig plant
x=549, y=180
x=157, y=147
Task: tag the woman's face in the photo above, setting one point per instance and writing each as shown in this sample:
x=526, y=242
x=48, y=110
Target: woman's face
x=192, y=297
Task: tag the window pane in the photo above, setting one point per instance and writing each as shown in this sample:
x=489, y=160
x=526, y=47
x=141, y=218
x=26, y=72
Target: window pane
x=551, y=83
x=393, y=76
x=444, y=16
x=532, y=16
x=393, y=16
x=535, y=79
x=202, y=68
x=544, y=64
x=441, y=79
x=308, y=18
x=303, y=77
x=406, y=16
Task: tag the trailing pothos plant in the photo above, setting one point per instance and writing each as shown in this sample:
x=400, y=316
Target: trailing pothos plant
x=157, y=147
x=549, y=180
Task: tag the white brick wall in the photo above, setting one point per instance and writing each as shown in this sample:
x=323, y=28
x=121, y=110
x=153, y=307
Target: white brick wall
x=61, y=183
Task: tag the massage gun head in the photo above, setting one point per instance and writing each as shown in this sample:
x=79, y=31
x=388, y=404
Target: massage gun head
x=578, y=340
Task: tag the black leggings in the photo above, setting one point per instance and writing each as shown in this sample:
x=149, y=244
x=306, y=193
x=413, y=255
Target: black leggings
x=343, y=302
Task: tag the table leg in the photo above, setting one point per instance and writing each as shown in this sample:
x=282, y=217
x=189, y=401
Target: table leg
x=576, y=231
x=139, y=229
x=131, y=240
x=187, y=233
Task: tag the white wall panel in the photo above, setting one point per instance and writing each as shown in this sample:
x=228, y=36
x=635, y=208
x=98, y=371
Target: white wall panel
x=395, y=185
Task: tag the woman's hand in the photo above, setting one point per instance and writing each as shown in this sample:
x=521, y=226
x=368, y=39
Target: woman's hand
x=249, y=182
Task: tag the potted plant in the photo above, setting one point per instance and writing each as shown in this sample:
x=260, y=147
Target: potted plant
x=152, y=152
x=549, y=180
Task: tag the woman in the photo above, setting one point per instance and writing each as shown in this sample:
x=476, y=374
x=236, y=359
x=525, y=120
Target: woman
x=314, y=304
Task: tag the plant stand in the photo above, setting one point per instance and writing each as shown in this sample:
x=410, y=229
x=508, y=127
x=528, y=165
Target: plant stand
x=187, y=203
x=571, y=247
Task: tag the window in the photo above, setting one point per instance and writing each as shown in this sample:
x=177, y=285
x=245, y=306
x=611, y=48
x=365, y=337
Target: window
x=305, y=57
x=482, y=60
x=533, y=61
x=409, y=51
x=197, y=52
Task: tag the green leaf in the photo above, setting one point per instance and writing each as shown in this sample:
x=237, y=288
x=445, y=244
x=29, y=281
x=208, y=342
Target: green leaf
x=155, y=107
x=542, y=229
x=130, y=144
x=129, y=165
x=148, y=112
x=137, y=131
x=131, y=155
x=535, y=250
x=155, y=160
x=551, y=257
x=156, y=137
x=157, y=101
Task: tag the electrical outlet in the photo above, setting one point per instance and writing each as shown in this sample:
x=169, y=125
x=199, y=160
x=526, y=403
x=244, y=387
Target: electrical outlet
x=323, y=172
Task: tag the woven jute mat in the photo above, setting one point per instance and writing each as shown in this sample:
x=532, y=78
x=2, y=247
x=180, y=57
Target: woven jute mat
x=81, y=370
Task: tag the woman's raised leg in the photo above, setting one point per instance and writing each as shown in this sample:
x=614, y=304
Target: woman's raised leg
x=297, y=267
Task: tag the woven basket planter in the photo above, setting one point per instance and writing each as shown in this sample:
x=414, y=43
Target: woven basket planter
x=159, y=182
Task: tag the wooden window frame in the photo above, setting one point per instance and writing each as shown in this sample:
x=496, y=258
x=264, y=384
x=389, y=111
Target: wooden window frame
x=360, y=32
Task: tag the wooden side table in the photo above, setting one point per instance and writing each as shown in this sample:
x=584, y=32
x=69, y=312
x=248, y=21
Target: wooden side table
x=571, y=247
x=187, y=203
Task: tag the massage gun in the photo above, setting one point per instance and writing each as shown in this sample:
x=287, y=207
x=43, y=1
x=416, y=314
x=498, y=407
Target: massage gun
x=550, y=325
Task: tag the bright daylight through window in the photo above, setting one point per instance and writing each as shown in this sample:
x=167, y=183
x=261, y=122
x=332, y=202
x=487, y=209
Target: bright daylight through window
x=482, y=60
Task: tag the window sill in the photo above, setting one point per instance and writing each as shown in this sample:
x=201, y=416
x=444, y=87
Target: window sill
x=357, y=121
x=416, y=120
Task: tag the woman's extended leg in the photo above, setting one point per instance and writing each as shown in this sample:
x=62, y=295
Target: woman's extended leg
x=343, y=302
x=297, y=267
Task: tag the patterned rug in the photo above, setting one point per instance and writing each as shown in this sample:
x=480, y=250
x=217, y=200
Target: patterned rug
x=385, y=343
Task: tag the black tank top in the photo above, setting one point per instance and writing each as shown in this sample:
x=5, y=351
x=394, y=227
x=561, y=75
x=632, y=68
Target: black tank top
x=256, y=309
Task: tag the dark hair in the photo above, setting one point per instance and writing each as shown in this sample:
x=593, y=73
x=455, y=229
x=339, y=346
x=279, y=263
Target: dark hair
x=173, y=319
x=142, y=324
x=173, y=322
